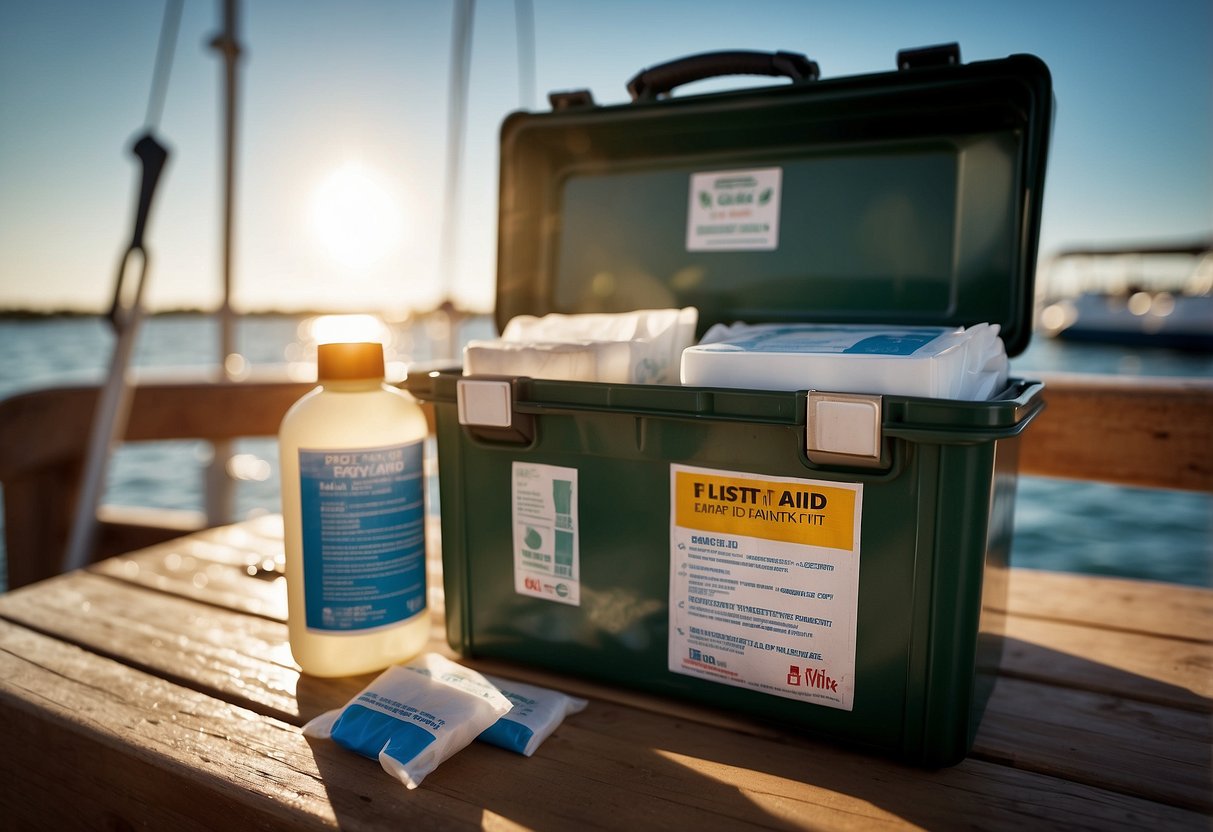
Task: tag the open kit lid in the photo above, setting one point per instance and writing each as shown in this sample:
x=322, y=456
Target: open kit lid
x=908, y=197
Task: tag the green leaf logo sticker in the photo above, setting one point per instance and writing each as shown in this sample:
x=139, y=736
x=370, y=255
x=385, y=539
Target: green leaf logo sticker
x=705, y=199
x=764, y=197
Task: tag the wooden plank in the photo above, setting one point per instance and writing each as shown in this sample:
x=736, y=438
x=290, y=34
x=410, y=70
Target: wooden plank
x=37, y=506
x=243, y=660
x=90, y=743
x=1103, y=740
x=1140, y=670
x=46, y=434
x=200, y=568
x=239, y=658
x=1129, y=430
x=785, y=779
x=52, y=424
x=142, y=748
x=130, y=528
x=1171, y=669
x=235, y=657
x=1113, y=603
x=1146, y=668
x=1056, y=626
x=191, y=567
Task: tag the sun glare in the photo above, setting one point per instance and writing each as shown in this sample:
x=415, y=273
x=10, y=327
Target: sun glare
x=333, y=329
x=355, y=216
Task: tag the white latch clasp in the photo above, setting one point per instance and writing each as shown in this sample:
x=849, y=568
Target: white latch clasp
x=844, y=429
x=484, y=402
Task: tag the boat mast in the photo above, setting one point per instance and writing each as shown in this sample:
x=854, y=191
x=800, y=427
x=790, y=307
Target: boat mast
x=220, y=504
x=461, y=60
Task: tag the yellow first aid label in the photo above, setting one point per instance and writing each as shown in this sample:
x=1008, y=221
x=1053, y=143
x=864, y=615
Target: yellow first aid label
x=764, y=582
x=805, y=512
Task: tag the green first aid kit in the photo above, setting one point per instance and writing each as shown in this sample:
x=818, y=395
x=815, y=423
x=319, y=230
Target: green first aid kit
x=725, y=545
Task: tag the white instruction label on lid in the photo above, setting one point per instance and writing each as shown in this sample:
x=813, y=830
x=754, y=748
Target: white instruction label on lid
x=547, y=562
x=764, y=582
x=734, y=210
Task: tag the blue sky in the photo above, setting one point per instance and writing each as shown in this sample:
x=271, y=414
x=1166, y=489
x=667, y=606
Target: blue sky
x=350, y=98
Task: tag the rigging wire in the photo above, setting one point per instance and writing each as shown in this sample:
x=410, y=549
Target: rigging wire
x=169, y=28
x=524, y=21
x=114, y=397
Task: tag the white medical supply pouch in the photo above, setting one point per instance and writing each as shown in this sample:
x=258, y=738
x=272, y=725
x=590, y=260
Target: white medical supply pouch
x=414, y=716
x=934, y=361
x=640, y=347
x=537, y=712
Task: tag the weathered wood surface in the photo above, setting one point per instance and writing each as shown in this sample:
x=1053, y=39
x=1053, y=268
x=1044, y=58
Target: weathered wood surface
x=157, y=690
x=1130, y=430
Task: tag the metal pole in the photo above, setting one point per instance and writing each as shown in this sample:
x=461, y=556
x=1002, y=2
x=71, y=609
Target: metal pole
x=109, y=420
x=461, y=59
x=524, y=21
x=220, y=503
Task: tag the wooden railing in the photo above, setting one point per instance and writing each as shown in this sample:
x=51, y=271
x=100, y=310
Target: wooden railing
x=1132, y=431
x=43, y=440
x=1128, y=430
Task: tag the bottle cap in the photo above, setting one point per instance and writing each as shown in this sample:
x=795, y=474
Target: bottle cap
x=350, y=361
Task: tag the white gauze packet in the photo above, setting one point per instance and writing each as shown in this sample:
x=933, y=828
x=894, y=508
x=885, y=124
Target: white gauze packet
x=536, y=714
x=414, y=716
x=639, y=347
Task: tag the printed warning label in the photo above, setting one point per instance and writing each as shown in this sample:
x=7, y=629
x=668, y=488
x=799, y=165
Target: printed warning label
x=734, y=210
x=764, y=582
x=546, y=545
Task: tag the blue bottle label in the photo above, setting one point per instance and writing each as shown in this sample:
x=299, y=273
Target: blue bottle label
x=363, y=516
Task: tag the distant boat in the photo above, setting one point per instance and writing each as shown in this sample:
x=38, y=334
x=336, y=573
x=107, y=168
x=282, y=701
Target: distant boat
x=1145, y=296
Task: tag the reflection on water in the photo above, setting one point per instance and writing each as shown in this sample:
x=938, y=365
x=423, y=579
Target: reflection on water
x=1101, y=529
x=1051, y=355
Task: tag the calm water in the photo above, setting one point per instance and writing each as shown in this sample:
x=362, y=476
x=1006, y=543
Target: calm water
x=1060, y=525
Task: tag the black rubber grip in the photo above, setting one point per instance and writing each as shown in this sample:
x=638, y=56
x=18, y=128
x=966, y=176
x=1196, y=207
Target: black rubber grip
x=649, y=83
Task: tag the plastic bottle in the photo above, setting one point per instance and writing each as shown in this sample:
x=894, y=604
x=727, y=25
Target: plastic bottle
x=353, y=508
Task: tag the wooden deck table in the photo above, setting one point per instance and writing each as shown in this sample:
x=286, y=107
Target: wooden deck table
x=156, y=690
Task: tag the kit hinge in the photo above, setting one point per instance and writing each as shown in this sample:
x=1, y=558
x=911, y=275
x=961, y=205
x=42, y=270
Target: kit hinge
x=571, y=100
x=945, y=54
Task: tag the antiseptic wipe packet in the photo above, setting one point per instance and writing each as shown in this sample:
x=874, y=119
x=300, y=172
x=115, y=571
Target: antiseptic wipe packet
x=414, y=716
x=537, y=712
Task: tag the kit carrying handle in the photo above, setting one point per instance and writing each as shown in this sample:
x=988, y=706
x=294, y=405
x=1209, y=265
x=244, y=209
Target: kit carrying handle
x=649, y=84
